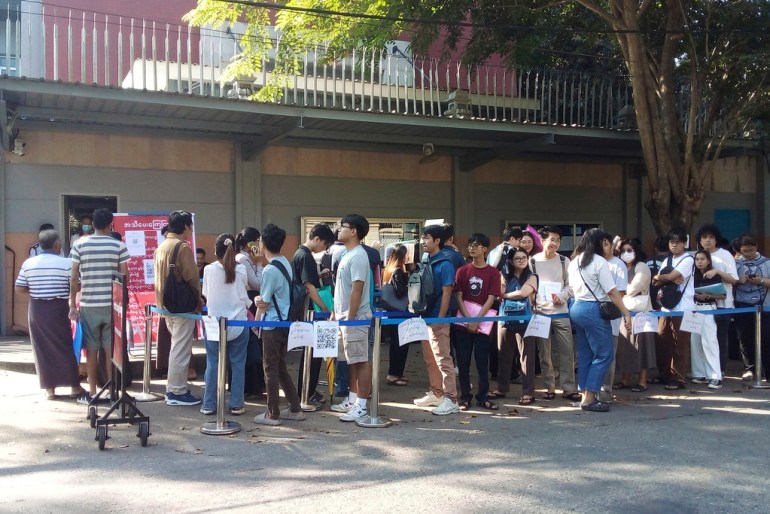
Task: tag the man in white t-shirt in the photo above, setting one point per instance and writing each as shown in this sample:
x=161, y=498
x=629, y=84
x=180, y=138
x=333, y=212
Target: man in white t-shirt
x=723, y=263
x=351, y=302
x=673, y=345
x=557, y=353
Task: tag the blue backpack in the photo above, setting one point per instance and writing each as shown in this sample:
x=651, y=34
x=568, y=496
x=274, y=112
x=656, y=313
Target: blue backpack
x=510, y=307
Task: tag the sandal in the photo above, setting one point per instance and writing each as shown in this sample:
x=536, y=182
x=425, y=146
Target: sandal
x=526, y=400
x=673, y=386
x=549, y=396
x=638, y=388
x=486, y=404
x=619, y=385
x=573, y=397
x=397, y=381
x=496, y=394
x=464, y=405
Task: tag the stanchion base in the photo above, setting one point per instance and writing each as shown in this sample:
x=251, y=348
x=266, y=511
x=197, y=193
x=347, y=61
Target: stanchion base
x=148, y=397
x=374, y=422
x=760, y=386
x=310, y=407
x=227, y=428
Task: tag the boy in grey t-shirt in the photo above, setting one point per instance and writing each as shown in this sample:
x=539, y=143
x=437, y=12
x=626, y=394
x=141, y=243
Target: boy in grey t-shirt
x=351, y=303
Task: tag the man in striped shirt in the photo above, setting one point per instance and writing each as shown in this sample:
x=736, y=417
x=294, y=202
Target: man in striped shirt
x=46, y=277
x=94, y=259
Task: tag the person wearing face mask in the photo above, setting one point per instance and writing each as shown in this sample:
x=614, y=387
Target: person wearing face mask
x=636, y=352
x=86, y=228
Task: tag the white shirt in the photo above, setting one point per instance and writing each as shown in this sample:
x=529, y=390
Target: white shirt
x=597, y=276
x=723, y=261
x=227, y=300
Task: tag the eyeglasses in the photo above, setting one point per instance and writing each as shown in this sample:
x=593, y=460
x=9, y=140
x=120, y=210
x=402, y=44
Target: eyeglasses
x=520, y=259
x=474, y=245
x=346, y=226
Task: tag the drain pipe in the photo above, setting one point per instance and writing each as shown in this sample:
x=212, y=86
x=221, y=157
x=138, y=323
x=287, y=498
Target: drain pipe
x=16, y=329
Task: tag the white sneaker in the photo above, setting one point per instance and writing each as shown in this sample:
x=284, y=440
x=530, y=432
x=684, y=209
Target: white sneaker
x=715, y=384
x=748, y=375
x=292, y=416
x=354, y=413
x=429, y=400
x=343, y=406
x=447, y=406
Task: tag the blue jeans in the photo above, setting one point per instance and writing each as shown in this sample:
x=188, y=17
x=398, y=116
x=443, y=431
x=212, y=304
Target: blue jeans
x=236, y=353
x=473, y=345
x=593, y=336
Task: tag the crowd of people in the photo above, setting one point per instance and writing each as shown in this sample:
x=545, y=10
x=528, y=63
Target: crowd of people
x=591, y=349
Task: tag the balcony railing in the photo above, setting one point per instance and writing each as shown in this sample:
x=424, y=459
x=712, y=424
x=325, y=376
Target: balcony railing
x=93, y=48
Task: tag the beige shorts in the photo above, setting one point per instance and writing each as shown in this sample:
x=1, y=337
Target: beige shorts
x=354, y=344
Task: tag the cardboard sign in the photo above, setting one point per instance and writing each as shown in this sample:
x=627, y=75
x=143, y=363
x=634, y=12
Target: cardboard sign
x=692, y=322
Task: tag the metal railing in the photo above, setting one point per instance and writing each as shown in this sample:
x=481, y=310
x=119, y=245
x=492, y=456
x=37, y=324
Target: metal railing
x=73, y=46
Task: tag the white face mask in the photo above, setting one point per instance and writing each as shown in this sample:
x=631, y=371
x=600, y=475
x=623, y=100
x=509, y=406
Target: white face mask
x=627, y=257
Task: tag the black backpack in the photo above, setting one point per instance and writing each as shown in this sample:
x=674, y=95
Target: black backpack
x=299, y=300
x=421, y=289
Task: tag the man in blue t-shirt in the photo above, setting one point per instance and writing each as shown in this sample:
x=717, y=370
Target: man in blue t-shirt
x=436, y=351
x=274, y=302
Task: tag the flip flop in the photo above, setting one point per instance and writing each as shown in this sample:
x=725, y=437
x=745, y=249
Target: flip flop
x=619, y=385
x=573, y=397
x=549, y=396
x=397, y=382
x=496, y=394
x=638, y=388
x=486, y=404
x=526, y=400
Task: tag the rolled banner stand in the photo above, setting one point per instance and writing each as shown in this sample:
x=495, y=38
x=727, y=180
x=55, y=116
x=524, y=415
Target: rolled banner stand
x=221, y=426
x=373, y=420
x=758, y=349
x=146, y=395
x=305, y=404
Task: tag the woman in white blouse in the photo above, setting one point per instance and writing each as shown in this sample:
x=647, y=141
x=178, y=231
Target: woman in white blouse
x=592, y=283
x=224, y=287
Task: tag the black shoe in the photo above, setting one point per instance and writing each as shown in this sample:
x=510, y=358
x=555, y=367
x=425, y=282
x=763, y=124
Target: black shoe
x=596, y=406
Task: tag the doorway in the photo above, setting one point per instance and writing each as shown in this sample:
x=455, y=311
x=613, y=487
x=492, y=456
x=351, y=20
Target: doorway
x=75, y=206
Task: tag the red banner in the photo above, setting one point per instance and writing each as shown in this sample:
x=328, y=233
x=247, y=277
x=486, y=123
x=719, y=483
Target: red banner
x=141, y=233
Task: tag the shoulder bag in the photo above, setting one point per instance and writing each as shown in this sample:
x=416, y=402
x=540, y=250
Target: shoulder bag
x=607, y=310
x=178, y=296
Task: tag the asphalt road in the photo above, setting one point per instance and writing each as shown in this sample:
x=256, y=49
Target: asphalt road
x=699, y=451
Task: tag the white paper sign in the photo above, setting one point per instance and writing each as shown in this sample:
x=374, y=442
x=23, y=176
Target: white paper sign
x=413, y=329
x=326, y=337
x=135, y=242
x=211, y=326
x=645, y=322
x=692, y=322
x=539, y=326
x=301, y=334
x=547, y=290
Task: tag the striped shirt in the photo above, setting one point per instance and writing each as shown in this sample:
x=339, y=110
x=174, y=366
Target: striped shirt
x=47, y=276
x=98, y=256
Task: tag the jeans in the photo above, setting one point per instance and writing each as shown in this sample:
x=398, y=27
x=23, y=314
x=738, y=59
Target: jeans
x=473, y=345
x=594, y=345
x=341, y=379
x=236, y=354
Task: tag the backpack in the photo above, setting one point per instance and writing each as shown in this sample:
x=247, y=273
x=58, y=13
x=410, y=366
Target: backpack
x=670, y=295
x=421, y=289
x=749, y=293
x=299, y=300
x=509, y=307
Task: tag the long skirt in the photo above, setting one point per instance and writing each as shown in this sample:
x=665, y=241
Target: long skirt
x=51, y=336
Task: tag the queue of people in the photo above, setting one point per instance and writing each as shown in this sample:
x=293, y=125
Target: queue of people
x=592, y=294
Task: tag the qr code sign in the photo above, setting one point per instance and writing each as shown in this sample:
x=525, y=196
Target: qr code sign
x=326, y=339
x=149, y=271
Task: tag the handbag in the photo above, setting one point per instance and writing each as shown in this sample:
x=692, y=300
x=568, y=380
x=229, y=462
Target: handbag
x=638, y=303
x=607, y=310
x=391, y=302
x=178, y=296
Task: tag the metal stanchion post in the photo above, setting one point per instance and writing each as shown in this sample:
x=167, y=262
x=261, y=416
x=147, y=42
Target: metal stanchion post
x=146, y=395
x=758, y=355
x=373, y=420
x=221, y=426
x=308, y=353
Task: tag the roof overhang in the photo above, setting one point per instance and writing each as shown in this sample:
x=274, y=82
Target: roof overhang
x=36, y=104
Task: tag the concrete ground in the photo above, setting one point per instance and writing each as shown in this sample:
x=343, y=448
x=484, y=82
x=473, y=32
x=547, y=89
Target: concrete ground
x=698, y=451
